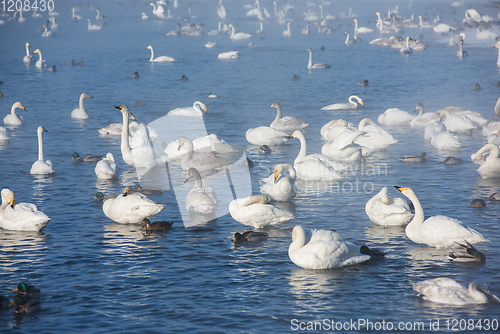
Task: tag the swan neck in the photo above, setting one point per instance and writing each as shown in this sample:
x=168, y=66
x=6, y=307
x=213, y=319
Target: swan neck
x=303, y=148
x=418, y=218
x=293, y=173
x=298, y=239
x=488, y=147
x=197, y=180
x=125, y=147
x=476, y=294
x=278, y=113
x=81, y=102
x=152, y=53
x=40, y=145
x=311, y=58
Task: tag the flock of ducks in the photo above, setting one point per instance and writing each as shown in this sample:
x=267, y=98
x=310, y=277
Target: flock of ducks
x=319, y=249
x=26, y=301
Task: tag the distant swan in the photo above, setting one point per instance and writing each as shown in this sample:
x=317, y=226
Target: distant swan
x=323, y=249
x=423, y=119
x=445, y=140
x=395, y=116
x=360, y=30
x=106, y=168
x=287, y=32
x=160, y=59
x=200, y=199
x=229, y=55
x=374, y=137
x=158, y=11
x=80, y=111
x=388, y=211
x=39, y=62
x=13, y=118
x=21, y=216
x=436, y=231
x=287, y=123
x=265, y=135
x=317, y=66
x=40, y=166
x=255, y=211
x=238, y=36
x=489, y=167
x=351, y=105
x=447, y=291
x=93, y=26
x=279, y=187
x=28, y=58
x=195, y=111
x=200, y=161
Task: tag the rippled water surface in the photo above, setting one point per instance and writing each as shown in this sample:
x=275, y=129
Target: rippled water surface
x=97, y=276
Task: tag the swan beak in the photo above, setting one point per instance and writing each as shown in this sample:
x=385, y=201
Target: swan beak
x=276, y=177
x=119, y=108
x=88, y=96
x=362, y=103
x=400, y=188
x=11, y=202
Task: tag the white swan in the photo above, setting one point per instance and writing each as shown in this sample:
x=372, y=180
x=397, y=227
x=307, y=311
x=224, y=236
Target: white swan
x=13, y=118
x=489, y=167
x=130, y=208
x=334, y=128
x=279, y=187
x=388, y=211
x=265, y=135
x=255, y=211
x=47, y=32
x=445, y=140
x=209, y=143
x=144, y=16
x=457, y=3
x=374, y=137
x=406, y=48
x=492, y=126
x=317, y=66
x=229, y=55
x=485, y=34
x=200, y=161
x=436, y=231
x=200, y=199
x=351, y=105
x=443, y=28
x=106, y=168
x=221, y=10
x=41, y=167
x=323, y=249
x=75, y=17
x=344, y=148
x=360, y=30
x=195, y=111
x=287, y=32
x=93, y=26
x=423, y=119
x=287, y=123
x=39, y=62
x=432, y=129
x=161, y=59
x=28, y=58
x=315, y=167
x=395, y=116
x=238, y=36
x=22, y=216
x=305, y=30
x=158, y=11
x=456, y=122
x=447, y=291
x=174, y=32
x=80, y=111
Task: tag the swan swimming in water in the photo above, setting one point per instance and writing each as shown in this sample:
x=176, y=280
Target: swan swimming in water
x=21, y=216
x=13, y=118
x=344, y=148
x=266, y=135
x=158, y=11
x=447, y=291
x=28, y=58
x=317, y=66
x=106, y=168
x=445, y=140
x=423, y=119
x=80, y=111
x=200, y=199
x=489, y=167
x=351, y=105
x=93, y=26
x=287, y=123
x=41, y=167
x=287, y=32
x=374, y=137
x=196, y=110
x=436, y=231
x=395, y=116
x=257, y=212
x=388, y=211
x=279, y=187
x=228, y=55
x=39, y=62
x=238, y=36
x=200, y=161
x=323, y=249
x=161, y=59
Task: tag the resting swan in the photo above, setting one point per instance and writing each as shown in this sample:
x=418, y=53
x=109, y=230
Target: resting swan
x=200, y=161
x=106, y=168
x=287, y=123
x=41, y=167
x=395, y=116
x=80, y=111
x=160, y=59
x=437, y=231
x=255, y=211
x=344, y=148
x=374, y=137
x=447, y=291
x=266, y=135
x=200, y=199
x=130, y=208
x=351, y=105
x=315, y=167
x=456, y=122
x=12, y=118
x=489, y=167
x=445, y=140
x=388, y=211
x=323, y=249
x=317, y=66
x=195, y=111
x=22, y=216
x=423, y=119
x=279, y=187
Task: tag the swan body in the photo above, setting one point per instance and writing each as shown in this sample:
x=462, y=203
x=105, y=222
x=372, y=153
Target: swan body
x=265, y=135
x=22, y=216
x=447, y=291
x=221, y=10
x=106, y=168
x=489, y=167
x=229, y=55
x=39, y=62
x=161, y=59
x=351, y=105
x=238, y=36
x=28, y=58
x=287, y=32
x=80, y=112
x=491, y=127
x=344, y=148
x=395, y=116
x=422, y=118
x=144, y=16
x=200, y=161
x=130, y=208
x=195, y=111
x=209, y=143
x=174, y=32
x=432, y=129
x=360, y=30
x=287, y=123
x=443, y=28
x=158, y=11
x=317, y=66
x=457, y=122
x=436, y=231
x=279, y=187
x=485, y=34
x=323, y=249
x=41, y=167
x=13, y=118
x=200, y=199
x=445, y=140
x=388, y=211
x=315, y=167
x=374, y=137
x=334, y=128
x=47, y=32
x=255, y=211
x=406, y=48
x=93, y=26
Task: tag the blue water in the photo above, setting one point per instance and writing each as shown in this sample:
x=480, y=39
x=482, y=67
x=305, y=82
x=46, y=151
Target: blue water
x=97, y=276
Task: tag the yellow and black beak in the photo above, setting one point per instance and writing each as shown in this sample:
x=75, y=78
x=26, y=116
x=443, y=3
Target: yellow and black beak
x=400, y=188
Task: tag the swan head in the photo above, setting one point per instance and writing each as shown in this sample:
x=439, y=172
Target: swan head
x=419, y=106
x=407, y=191
x=310, y=50
x=41, y=130
x=149, y=47
x=8, y=196
x=85, y=95
x=275, y=105
x=297, y=134
x=110, y=157
x=28, y=45
x=36, y=51
x=192, y=172
x=19, y=105
x=201, y=105
x=128, y=191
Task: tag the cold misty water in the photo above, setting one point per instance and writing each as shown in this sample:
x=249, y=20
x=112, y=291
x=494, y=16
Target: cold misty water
x=97, y=276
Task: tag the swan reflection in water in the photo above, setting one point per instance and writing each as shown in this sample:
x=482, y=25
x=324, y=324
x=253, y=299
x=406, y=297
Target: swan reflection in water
x=27, y=245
